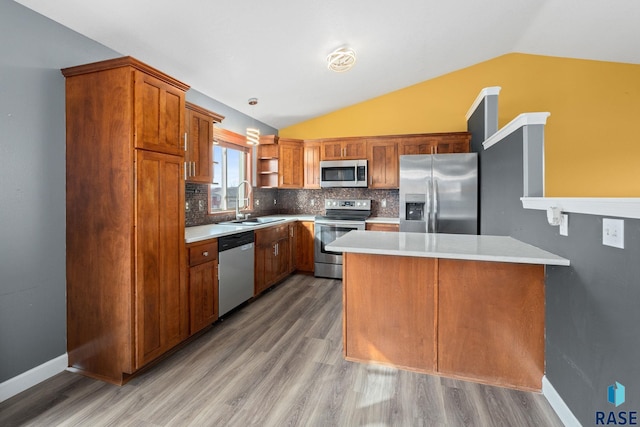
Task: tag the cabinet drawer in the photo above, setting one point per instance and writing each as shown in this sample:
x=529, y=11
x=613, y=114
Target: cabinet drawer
x=204, y=252
x=272, y=234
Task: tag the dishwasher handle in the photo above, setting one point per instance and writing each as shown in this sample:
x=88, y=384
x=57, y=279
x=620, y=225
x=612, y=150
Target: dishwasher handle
x=235, y=240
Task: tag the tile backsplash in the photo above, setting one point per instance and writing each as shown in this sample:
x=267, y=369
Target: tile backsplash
x=282, y=201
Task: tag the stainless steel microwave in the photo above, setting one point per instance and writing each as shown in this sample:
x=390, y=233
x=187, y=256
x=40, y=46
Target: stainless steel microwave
x=343, y=173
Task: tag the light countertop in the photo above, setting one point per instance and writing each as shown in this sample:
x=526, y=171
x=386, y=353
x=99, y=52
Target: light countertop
x=452, y=246
x=211, y=231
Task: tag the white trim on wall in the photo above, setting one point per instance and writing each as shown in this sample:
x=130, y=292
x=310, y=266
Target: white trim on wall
x=561, y=409
x=487, y=91
x=628, y=207
x=33, y=376
x=523, y=119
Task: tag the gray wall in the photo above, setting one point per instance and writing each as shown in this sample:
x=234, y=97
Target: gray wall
x=592, y=312
x=32, y=181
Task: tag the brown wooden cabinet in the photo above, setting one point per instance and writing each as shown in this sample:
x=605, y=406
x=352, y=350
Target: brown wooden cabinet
x=435, y=143
x=280, y=162
x=343, y=148
x=311, y=165
x=158, y=114
x=304, y=246
x=203, y=284
x=379, y=226
x=160, y=289
x=384, y=164
x=272, y=256
x=126, y=287
x=199, y=143
x=290, y=163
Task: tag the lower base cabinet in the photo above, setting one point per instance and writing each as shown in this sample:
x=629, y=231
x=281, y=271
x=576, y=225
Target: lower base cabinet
x=203, y=285
x=272, y=256
x=303, y=247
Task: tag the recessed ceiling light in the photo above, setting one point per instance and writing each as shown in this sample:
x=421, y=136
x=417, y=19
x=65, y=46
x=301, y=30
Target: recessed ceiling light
x=341, y=59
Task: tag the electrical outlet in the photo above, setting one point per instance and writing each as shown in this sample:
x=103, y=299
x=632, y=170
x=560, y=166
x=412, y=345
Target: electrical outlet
x=313, y=202
x=383, y=203
x=187, y=207
x=275, y=201
x=613, y=232
x=201, y=205
x=257, y=202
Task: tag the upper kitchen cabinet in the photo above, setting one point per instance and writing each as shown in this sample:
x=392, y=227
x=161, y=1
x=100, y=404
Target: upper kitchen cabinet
x=382, y=155
x=126, y=285
x=311, y=165
x=280, y=162
x=199, y=124
x=159, y=114
x=435, y=143
x=290, y=166
x=343, y=148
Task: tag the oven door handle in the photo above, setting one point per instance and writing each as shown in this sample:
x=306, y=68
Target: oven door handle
x=340, y=223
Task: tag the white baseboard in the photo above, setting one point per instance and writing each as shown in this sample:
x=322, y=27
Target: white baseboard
x=558, y=405
x=33, y=376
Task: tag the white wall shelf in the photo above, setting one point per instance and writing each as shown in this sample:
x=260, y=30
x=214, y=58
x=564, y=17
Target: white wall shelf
x=628, y=207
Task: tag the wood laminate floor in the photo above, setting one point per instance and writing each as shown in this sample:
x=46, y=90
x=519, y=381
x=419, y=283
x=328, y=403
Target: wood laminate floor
x=275, y=362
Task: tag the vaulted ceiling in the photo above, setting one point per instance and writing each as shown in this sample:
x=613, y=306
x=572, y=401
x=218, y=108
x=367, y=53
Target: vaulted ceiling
x=275, y=50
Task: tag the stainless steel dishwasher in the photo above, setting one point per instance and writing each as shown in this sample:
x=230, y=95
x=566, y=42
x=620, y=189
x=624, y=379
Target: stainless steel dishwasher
x=235, y=269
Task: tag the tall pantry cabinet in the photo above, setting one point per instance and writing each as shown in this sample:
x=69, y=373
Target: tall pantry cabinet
x=126, y=285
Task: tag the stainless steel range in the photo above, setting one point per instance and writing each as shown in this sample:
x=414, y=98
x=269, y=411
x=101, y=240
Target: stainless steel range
x=341, y=217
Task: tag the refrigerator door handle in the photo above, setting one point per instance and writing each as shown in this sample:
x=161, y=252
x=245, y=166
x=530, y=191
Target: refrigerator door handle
x=427, y=207
x=435, y=205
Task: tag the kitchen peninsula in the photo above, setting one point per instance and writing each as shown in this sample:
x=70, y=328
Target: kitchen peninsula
x=461, y=306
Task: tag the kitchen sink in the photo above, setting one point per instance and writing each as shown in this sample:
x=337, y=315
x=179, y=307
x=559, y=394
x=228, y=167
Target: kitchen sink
x=252, y=221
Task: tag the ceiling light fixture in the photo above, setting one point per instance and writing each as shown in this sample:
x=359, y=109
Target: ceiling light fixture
x=341, y=59
x=253, y=133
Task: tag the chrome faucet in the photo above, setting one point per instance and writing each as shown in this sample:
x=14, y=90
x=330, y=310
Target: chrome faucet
x=238, y=214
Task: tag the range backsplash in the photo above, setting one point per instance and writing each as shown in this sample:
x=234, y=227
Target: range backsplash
x=270, y=201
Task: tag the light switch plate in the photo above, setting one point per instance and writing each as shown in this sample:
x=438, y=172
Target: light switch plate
x=613, y=232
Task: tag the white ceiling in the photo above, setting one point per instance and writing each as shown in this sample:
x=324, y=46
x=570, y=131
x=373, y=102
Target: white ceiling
x=275, y=50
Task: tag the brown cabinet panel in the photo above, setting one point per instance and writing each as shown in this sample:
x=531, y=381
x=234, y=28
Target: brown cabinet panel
x=199, y=134
x=304, y=246
x=161, y=304
x=435, y=143
x=491, y=322
x=159, y=115
x=290, y=163
x=384, y=164
x=272, y=256
x=343, y=149
x=280, y=162
x=311, y=165
x=203, y=295
x=390, y=320
x=203, y=252
x=376, y=226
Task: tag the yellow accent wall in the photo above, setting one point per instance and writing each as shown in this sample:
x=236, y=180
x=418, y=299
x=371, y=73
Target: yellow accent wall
x=592, y=144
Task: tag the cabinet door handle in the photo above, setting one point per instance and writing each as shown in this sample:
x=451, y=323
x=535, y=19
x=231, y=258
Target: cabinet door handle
x=193, y=168
x=185, y=142
x=205, y=253
x=275, y=251
x=185, y=171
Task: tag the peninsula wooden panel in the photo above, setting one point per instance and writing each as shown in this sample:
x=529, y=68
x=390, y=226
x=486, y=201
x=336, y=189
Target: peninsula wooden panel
x=491, y=322
x=389, y=307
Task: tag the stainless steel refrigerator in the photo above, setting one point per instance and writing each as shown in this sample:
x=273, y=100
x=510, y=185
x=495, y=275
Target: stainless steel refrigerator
x=439, y=193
